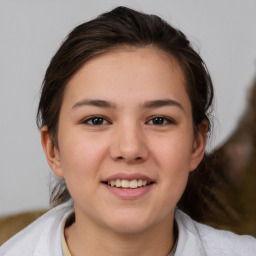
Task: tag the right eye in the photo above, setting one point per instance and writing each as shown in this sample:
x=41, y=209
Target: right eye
x=160, y=121
x=95, y=121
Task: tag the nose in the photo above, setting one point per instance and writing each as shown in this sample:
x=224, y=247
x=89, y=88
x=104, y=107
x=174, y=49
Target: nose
x=129, y=145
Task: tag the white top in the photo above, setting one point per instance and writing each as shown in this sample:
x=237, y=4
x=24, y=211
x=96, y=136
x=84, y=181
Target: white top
x=43, y=237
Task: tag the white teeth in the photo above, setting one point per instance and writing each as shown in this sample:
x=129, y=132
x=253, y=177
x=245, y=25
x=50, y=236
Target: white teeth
x=118, y=183
x=133, y=184
x=127, y=183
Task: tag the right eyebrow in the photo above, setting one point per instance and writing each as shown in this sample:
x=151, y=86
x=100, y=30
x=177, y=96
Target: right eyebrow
x=94, y=102
x=162, y=103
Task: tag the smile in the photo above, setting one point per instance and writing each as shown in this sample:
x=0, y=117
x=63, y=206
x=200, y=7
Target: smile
x=128, y=183
x=128, y=186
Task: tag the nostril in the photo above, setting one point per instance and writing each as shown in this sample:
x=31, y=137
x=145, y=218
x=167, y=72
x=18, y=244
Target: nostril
x=135, y=159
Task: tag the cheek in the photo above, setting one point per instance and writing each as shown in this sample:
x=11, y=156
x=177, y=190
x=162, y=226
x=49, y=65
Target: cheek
x=81, y=155
x=81, y=159
x=173, y=153
x=173, y=157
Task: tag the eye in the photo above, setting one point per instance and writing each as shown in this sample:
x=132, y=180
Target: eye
x=160, y=120
x=95, y=121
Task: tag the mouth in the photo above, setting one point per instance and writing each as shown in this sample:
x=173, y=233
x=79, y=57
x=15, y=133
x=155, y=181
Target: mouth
x=128, y=184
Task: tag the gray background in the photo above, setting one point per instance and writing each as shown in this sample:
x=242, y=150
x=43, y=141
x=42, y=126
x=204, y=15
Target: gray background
x=30, y=33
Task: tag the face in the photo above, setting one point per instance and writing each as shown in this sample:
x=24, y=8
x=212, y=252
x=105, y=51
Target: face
x=126, y=140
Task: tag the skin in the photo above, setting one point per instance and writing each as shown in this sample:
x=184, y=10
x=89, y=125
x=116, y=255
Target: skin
x=127, y=141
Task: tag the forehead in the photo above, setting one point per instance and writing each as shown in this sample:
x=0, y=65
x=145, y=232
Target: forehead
x=128, y=72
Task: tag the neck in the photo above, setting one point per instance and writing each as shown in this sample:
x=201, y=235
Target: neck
x=97, y=240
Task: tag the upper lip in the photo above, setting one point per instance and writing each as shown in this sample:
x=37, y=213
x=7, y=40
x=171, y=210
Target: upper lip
x=126, y=176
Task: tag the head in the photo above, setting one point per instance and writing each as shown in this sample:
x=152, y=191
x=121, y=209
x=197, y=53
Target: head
x=121, y=28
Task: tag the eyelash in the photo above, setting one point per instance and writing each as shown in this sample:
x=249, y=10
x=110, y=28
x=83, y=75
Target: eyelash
x=103, y=121
x=90, y=119
x=165, y=120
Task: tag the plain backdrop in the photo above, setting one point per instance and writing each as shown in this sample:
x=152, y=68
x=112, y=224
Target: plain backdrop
x=224, y=32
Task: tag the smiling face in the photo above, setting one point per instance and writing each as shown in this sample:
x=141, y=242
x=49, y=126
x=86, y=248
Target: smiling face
x=126, y=121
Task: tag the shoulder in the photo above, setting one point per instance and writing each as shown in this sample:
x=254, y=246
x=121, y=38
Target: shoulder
x=210, y=241
x=41, y=236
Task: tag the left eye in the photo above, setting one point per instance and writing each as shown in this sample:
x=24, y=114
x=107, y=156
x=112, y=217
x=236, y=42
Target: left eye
x=159, y=120
x=95, y=120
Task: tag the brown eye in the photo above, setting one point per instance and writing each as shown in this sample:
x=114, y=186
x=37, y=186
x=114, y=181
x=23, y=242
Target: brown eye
x=160, y=120
x=95, y=121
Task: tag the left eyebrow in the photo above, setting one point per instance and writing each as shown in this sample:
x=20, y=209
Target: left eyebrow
x=162, y=103
x=95, y=103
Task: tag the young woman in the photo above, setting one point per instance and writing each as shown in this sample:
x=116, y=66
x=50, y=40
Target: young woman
x=124, y=121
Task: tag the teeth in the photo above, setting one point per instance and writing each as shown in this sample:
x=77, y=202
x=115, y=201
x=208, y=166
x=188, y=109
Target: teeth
x=127, y=183
x=118, y=183
x=133, y=184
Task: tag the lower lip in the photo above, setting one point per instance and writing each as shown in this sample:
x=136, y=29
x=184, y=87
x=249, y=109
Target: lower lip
x=129, y=193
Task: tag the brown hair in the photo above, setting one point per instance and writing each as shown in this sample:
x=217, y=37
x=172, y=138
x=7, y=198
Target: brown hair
x=121, y=26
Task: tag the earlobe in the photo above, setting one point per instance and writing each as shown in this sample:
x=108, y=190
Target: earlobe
x=199, y=145
x=51, y=152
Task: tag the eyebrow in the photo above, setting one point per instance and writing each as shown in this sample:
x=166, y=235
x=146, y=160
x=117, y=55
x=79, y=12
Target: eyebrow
x=147, y=104
x=162, y=103
x=96, y=103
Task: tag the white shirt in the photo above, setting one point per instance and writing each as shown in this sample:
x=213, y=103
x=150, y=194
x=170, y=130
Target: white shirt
x=43, y=237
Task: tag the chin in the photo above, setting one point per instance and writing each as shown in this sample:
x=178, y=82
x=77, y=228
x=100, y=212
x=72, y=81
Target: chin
x=130, y=227
x=130, y=222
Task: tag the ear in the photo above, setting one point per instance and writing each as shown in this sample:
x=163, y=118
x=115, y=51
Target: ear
x=51, y=152
x=199, y=144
